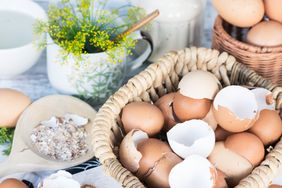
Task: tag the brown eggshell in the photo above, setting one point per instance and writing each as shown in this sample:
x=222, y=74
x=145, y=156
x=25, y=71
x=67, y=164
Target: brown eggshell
x=165, y=105
x=210, y=119
x=128, y=154
x=266, y=33
x=12, y=183
x=13, y=103
x=268, y=127
x=143, y=116
x=233, y=165
x=230, y=122
x=273, y=9
x=152, y=150
x=246, y=145
x=220, y=180
x=241, y=13
x=187, y=108
x=159, y=175
x=221, y=134
x=275, y=186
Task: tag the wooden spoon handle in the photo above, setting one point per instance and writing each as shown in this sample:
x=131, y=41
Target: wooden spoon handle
x=140, y=23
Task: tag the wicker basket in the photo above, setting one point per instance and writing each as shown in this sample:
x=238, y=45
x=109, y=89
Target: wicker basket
x=267, y=61
x=163, y=77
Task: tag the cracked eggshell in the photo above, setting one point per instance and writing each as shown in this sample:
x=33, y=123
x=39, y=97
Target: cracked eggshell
x=159, y=175
x=246, y=145
x=165, y=105
x=156, y=162
x=186, y=108
x=199, y=85
x=234, y=166
x=59, y=180
x=264, y=99
x=128, y=154
x=143, y=116
x=268, y=127
x=191, y=137
x=199, y=172
x=210, y=119
x=152, y=150
x=235, y=108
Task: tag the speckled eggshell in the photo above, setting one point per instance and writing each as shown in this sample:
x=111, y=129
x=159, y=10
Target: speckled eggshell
x=241, y=13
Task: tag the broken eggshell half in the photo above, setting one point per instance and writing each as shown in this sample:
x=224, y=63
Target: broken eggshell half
x=264, y=99
x=165, y=105
x=128, y=153
x=59, y=179
x=191, y=137
x=199, y=84
x=199, y=172
x=235, y=108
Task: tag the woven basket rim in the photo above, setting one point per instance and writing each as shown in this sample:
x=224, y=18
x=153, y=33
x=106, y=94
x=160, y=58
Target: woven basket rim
x=218, y=26
x=220, y=63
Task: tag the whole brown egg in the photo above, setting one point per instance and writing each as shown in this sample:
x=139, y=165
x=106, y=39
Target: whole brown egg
x=143, y=116
x=12, y=183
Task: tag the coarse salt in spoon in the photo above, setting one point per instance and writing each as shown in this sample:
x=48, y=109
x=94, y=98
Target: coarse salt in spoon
x=24, y=156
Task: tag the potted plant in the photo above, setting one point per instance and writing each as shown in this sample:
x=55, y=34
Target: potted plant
x=85, y=56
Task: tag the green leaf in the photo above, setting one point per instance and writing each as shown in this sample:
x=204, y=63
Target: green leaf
x=6, y=136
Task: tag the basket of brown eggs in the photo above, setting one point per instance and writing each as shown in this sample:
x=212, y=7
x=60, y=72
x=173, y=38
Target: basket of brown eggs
x=194, y=118
x=251, y=31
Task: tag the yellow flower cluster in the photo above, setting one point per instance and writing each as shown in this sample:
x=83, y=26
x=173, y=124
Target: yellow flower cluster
x=87, y=27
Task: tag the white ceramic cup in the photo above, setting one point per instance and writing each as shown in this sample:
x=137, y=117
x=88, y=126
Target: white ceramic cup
x=18, y=53
x=88, y=78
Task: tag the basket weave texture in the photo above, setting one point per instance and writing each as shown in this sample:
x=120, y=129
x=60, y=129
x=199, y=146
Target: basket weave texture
x=163, y=77
x=267, y=61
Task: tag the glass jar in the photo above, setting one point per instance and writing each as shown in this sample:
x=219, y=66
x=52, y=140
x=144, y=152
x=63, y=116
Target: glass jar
x=179, y=25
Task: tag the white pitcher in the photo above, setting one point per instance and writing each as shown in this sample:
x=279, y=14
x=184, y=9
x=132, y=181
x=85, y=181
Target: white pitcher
x=178, y=26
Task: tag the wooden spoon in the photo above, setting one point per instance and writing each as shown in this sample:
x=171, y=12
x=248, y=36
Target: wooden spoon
x=24, y=156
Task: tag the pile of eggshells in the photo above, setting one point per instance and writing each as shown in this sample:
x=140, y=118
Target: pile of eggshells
x=200, y=136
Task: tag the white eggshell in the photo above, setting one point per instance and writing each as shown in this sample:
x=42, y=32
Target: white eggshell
x=76, y=119
x=199, y=85
x=194, y=171
x=59, y=180
x=261, y=95
x=238, y=100
x=52, y=122
x=191, y=137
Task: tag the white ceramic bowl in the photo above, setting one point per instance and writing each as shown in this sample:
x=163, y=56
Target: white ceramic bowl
x=18, y=53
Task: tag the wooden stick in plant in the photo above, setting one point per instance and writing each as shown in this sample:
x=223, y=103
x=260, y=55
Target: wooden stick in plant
x=140, y=23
